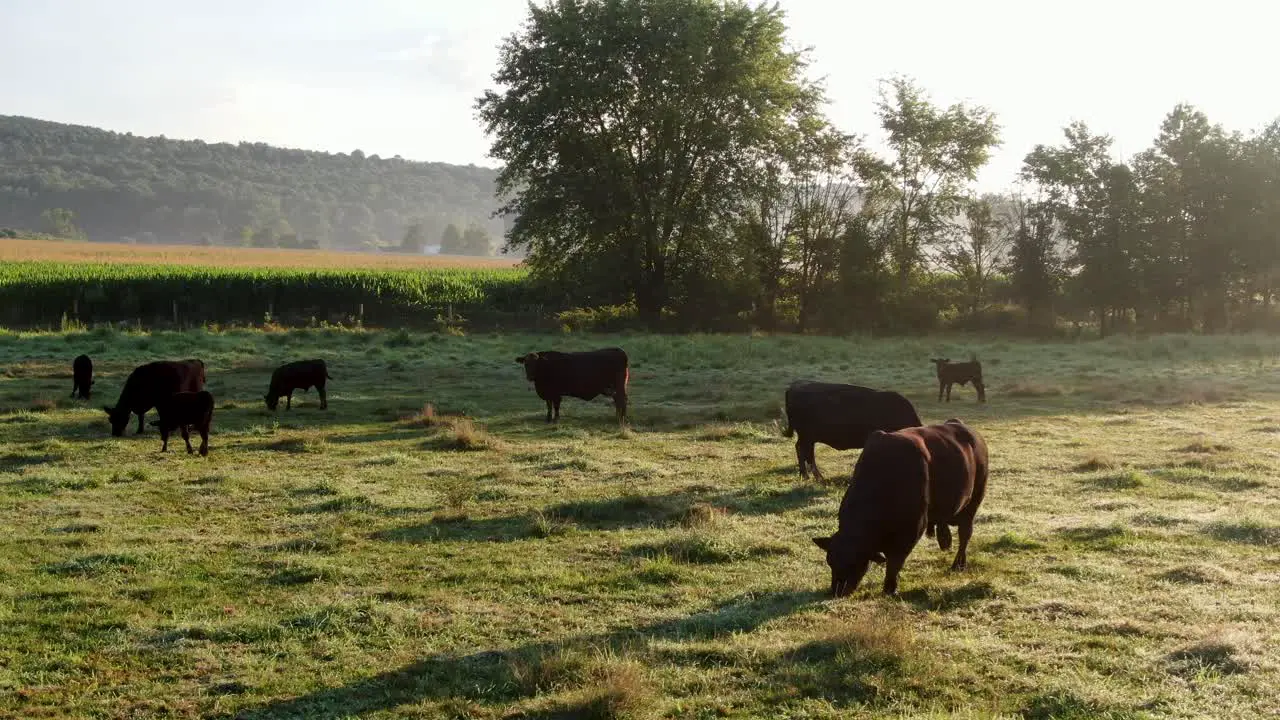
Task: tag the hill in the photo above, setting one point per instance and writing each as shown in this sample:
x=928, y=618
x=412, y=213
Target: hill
x=121, y=187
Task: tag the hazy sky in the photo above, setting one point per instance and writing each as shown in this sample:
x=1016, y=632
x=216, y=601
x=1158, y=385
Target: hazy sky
x=400, y=76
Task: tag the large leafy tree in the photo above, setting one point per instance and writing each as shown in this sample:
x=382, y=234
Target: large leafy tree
x=1095, y=201
x=631, y=131
x=936, y=153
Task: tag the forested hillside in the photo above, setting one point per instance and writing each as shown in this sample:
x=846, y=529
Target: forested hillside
x=112, y=186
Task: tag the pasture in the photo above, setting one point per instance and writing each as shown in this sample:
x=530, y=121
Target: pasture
x=384, y=559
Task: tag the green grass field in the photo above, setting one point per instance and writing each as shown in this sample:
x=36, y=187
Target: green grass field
x=377, y=561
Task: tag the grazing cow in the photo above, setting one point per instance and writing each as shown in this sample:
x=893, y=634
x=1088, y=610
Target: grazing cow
x=906, y=482
x=950, y=373
x=148, y=384
x=301, y=375
x=81, y=376
x=840, y=416
x=182, y=411
x=582, y=375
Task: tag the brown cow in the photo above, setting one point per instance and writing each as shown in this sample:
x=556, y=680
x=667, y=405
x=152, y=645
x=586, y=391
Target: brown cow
x=583, y=375
x=301, y=375
x=950, y=373
x=840, y=416
x=81, y=376
x=904, y=483
x=183, y=411
x=149, y=384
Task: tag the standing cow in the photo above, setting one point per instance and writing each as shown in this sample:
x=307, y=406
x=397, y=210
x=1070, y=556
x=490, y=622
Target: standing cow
x=301, y=375
x=950, y=373
x=81, y=376
x=150, y=384
x=583, y=375
x=183, y=411
x=840, y=416
x=906, y=482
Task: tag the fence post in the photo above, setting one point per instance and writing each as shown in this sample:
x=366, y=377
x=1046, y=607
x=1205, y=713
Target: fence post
x=175, y=313
x=360, y=316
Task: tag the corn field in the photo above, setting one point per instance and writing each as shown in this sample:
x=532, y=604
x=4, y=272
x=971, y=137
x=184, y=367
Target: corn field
x=45, y=294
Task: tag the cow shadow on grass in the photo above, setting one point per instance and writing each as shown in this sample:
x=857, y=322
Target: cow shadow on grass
x=492, y=676
x=628, y=512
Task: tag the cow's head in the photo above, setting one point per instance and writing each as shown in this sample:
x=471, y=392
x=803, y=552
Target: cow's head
x=530, y=363
x=848, y=561
x=272, y=401
x=119, y=418
x=940, y=361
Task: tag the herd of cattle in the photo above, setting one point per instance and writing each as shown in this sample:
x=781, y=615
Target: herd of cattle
x=910, y=481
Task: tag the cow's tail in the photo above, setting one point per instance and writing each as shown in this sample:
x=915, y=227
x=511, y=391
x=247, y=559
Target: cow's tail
x=787, y=430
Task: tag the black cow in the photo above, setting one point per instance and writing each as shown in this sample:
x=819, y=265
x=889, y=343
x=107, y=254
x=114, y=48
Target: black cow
x=906, y=482
x=149, y=384
x=582, y=375
x=840, y=416
x=301, y=375
x=183, y=411
x=81, y=376
x=950, y=373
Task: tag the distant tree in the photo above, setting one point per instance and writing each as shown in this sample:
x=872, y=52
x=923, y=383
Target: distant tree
x=451, y=240
x=1034, y=263
x=475, y=241
x=1093, y=200
x=246, y=236
x=936, y=153
x=823, y=196
x=62, y=223
x=977, y=249
x=630, y=132
x=265, y=238
x=415, y=238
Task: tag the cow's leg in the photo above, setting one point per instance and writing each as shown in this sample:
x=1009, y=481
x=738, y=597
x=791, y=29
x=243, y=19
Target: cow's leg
x=944, y=536
x=966, y=531
x=620, y=404
x=982, y=390
x=164, y=439
x=940, y=384
x=549, y=406
x=892, y=566
x=949, y=386
x=556, y=402
x=141, y=415
x=802, y=460
x=204, y=440
x=810, y=453
x=186, y=438
x=324, y=398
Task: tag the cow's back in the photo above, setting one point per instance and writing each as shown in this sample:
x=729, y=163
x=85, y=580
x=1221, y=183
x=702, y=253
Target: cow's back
x=151, y=383
x=842, y=416
x=300, y=374
x=887, y=496
x=957, y=469
x=580, y=374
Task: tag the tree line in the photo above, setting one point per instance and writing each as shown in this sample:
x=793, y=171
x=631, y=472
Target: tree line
x=673, y=160
x=85, y=183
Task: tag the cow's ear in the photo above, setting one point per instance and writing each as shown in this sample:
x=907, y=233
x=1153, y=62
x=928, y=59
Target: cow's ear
x=823, y=542
x=878, y=558
x=520, y=359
